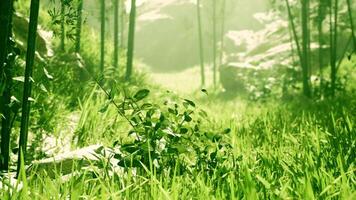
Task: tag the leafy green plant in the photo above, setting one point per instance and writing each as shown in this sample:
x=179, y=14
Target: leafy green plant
x=170, y=135
x=64, y=21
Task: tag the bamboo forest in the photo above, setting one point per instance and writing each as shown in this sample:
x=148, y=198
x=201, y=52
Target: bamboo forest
x=177, y=99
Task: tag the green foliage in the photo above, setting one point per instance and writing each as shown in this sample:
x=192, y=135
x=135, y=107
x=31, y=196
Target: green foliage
x=170, y=135
x=70, y=18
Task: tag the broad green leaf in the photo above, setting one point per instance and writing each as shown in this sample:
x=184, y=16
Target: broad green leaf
x=141, y=94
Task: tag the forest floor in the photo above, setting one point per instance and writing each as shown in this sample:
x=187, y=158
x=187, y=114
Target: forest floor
x=184, y=82
x=299, y=148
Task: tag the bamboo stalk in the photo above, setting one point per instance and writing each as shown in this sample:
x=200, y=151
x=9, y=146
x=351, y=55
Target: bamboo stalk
x=352, y=26
x=214, y=44
x=116, y=34
x=102, y=36
x=62, y=44
x=6, y=96
x=294, y=31
x=131, y=40
x=30, y=55
x=201, y=47
x=333, y=47
x=79, y=25
x=320, y=41
x=305, y=47
x=222, y=34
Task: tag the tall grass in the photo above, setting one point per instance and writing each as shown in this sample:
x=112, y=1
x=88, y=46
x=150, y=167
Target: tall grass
x=284, y=151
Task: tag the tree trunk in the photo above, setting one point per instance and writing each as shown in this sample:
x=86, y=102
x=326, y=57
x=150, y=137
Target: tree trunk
x=6, y=8
x=305, y=47
x=294, y=31
x=131, y=38
x=30, y=55
x=102, y=40
x=63, y=34
x=303, y=52
x=214, y=43
x=333, y=47
x=351, y=23
x=116, y=34
x=222, y=34
x=7, y=113
x=123, y=23
x=201, y=47
x=320, y=37
x=79, y=25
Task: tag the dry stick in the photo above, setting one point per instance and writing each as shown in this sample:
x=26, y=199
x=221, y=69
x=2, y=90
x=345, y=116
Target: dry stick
x=201, y=48
x=351, y=23
x=30, y=55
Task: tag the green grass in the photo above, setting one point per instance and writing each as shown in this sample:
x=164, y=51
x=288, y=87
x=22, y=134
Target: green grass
x=285, y=150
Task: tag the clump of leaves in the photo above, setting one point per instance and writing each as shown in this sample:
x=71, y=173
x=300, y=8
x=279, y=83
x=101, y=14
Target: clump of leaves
x=70, y=17
x=170, y=135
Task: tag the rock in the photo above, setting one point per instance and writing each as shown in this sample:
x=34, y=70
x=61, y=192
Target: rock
x=9, y=183
x=43, y=40
x=233, y=76
x=70, y=162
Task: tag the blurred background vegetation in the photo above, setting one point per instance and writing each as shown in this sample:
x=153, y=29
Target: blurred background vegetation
x=187, y=99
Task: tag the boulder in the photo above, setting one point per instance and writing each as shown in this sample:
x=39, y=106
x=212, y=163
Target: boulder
x=43, y=40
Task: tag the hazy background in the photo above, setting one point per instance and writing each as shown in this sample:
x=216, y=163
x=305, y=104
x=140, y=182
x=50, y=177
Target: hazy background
x=166, y=31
